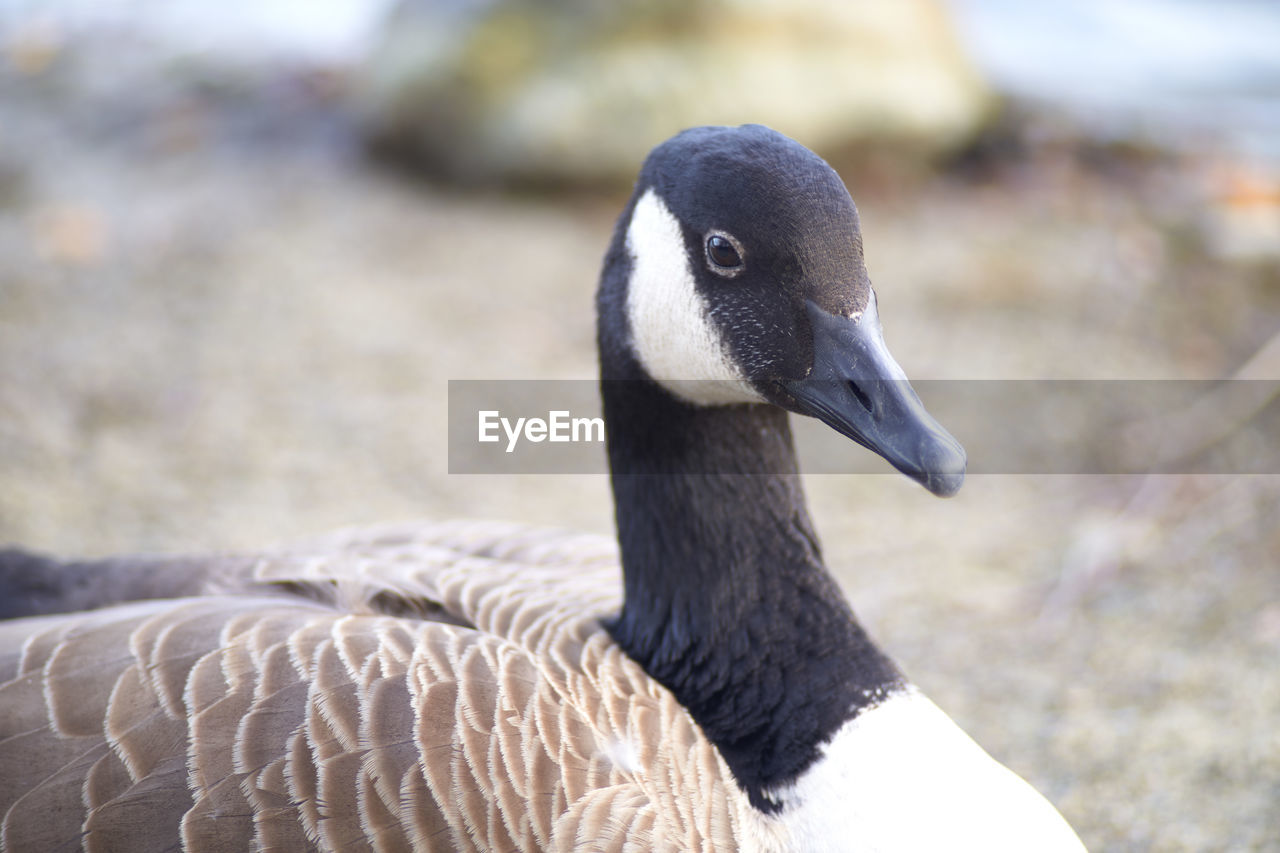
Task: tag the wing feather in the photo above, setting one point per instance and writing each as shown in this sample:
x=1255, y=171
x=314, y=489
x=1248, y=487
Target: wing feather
x=415, y=687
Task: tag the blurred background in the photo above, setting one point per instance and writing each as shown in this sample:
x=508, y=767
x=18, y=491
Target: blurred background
x=242, y=252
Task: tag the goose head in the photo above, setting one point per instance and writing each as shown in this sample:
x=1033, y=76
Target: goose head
x=745, y=283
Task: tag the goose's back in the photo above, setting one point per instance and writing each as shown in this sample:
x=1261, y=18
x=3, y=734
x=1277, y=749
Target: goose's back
x=443, y=687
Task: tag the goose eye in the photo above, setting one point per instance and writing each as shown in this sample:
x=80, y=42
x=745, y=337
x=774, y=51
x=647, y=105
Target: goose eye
x=723, y=254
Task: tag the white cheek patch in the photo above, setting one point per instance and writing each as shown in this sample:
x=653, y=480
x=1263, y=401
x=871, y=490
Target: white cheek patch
x=902, y=776
x=671, y=330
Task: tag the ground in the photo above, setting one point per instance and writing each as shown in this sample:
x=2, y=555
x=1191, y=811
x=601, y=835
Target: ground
x=221, y=326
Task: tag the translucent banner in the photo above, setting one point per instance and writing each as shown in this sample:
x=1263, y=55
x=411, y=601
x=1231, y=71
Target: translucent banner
x=1006, y=427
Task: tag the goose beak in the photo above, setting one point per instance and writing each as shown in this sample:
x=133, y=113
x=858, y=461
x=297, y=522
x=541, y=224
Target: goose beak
x=857, y=389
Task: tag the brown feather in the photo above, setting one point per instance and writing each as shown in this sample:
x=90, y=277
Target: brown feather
x=308, y=704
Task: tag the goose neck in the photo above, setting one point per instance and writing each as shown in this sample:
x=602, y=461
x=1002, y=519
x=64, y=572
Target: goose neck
x=727, y=602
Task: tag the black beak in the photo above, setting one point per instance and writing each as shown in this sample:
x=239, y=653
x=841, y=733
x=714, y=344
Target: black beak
x=857, y=389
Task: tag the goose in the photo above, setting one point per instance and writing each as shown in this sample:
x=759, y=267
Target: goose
x=699, y=684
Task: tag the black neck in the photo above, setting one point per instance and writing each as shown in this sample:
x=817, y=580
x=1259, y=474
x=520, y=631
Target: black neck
x=728, y=603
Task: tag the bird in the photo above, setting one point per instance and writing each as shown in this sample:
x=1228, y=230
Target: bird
x=698, y=683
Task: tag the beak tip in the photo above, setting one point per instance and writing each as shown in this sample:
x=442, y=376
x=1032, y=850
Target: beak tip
x=944, y=485
x=943, y=468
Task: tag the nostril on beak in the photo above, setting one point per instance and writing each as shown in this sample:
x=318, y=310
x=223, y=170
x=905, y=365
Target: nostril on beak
x=861, y=397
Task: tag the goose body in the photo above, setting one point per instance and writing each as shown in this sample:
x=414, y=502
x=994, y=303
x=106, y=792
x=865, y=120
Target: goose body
x=699, y=685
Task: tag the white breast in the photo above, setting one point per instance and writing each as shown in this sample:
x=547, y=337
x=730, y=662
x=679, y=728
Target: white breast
x=901, y=776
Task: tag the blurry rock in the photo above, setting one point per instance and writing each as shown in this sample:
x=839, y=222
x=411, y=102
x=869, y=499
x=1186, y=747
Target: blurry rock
x=532, y=90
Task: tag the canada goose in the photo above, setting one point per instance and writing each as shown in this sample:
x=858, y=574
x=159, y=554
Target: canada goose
x=481, y=686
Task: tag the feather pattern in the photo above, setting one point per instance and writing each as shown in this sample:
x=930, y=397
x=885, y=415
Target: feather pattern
x=314, y=703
